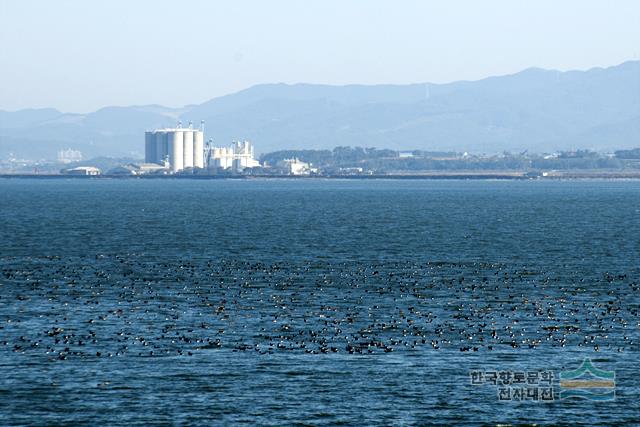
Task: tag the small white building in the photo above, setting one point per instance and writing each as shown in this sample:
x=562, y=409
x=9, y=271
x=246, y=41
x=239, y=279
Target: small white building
x=81, y=170
x=140, y=169
x=296, y=167
x=144, y=168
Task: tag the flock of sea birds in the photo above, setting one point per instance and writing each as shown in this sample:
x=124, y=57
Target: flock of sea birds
x=128, y=305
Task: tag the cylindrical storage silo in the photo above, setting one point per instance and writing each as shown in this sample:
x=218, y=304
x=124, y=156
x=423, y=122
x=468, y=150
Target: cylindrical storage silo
x=162, y=149
x=176, y=146
x=150, y=147
x=230, y=157
x=187, y=149
x=198, y=149
x=223, y=158
x=236, y=165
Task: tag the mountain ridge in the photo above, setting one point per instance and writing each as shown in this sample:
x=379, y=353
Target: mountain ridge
x=535, y=109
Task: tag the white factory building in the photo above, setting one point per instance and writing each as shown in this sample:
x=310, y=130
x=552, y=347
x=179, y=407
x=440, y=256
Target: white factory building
x=238, y=156
x=177, y=148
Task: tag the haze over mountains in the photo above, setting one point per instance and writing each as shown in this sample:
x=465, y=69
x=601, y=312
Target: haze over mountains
x=536, y=110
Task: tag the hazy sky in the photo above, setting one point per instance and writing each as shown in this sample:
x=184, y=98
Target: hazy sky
x=78, y=56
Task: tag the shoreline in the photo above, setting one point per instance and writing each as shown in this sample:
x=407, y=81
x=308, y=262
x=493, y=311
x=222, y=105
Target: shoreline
x=426, y=176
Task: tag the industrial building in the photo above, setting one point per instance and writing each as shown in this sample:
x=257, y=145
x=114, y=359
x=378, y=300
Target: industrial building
x=297, y=167
x=238, y=156
x=138, y=169
x=175, y=148
x=81, y=170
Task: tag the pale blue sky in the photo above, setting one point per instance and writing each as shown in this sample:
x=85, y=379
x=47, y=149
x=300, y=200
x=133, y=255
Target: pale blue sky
x=78, y=56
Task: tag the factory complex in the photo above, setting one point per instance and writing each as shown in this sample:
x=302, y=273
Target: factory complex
x=237, y=157
x=182, y=151
x=176, y=150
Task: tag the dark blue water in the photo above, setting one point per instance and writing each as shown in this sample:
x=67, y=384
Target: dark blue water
x=315, y=302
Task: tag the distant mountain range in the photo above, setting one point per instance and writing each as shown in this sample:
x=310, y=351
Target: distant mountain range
x=537, y=110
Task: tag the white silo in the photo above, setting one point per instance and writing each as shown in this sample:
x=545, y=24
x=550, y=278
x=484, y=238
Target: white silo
x=187, y=151
x=198, y=149
x=215, y=156
x=150, y=151
x=176, y=149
